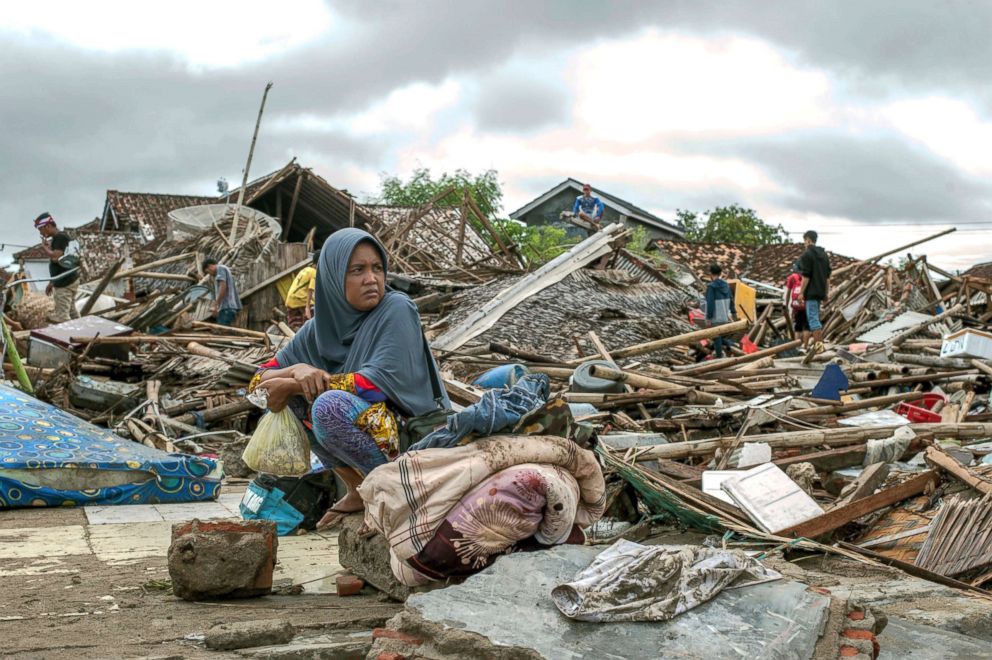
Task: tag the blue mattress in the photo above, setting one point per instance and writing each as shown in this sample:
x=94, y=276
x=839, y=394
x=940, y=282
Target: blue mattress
x=51, y=458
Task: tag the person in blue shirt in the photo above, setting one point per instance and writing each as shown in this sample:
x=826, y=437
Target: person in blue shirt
x=719, y=305
x=587, y=207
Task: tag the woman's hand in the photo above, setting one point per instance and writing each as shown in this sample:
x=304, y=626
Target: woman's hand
x=311, y=380
x=280, y=390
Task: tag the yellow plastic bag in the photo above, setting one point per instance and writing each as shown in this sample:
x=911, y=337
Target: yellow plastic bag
x=279, y=446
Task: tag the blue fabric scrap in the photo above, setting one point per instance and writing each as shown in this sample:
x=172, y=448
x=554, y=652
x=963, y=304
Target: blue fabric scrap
x=496, y=411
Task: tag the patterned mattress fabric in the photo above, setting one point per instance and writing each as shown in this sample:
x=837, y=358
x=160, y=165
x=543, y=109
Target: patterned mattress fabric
x=51, y=458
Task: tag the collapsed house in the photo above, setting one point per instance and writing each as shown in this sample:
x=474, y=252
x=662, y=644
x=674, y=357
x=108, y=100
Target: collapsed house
x=875, y=451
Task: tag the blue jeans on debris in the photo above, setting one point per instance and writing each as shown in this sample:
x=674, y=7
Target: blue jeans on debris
x=813, y=315
x=226, y=316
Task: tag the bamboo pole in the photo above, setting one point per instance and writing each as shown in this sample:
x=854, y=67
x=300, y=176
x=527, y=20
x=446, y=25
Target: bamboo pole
x=678, y=340
x=244, y=178
x=15, y=358
x=814, y=438
x=716, y=365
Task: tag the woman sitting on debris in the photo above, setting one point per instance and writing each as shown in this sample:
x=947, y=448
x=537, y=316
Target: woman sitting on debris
x=355, y=369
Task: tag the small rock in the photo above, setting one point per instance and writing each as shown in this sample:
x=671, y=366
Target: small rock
x=348, y=585
x=247, y=634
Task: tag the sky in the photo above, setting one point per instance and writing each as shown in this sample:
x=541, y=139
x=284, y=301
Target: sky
x=870, y=121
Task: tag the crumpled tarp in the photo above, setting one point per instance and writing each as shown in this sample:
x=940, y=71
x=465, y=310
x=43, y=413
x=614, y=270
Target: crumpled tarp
x=633, y=582
x=497, y=410
x=51, y=458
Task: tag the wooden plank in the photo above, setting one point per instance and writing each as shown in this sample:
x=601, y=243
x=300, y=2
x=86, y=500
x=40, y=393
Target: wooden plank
x=829, y=459
x=275, y=278
x=939, y=458
x=871, y=478
x=837, y=518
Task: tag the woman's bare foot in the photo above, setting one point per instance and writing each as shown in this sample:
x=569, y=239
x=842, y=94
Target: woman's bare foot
x=350, y=503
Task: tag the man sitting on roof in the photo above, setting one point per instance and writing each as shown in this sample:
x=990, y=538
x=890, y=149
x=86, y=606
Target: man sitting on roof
x=587, y=207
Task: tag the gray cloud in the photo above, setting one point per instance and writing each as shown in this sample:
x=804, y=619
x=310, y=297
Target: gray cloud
x=77, y=122
x=507, y=103
x=873, y=179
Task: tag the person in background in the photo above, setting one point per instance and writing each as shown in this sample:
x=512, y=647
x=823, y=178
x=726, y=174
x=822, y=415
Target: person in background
x=719, y=305
x=587, y=207
x=814, y=266
x=795, y=305
x=299, y=299
x=227, y=302
x=65, y=280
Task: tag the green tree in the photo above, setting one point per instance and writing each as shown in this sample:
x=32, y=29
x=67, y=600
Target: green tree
x=729, y=224
x=421, y=187
x=537, y=244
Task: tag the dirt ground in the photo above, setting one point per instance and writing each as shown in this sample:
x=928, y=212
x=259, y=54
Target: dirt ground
x=79, y=606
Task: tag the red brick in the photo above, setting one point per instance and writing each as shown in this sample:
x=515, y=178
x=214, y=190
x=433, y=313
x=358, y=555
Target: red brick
x=858, y=634
x=387, y=633
x=856, y=616
x=849, y=652
x=389, y=655
x=348, y=585
x=819, y=590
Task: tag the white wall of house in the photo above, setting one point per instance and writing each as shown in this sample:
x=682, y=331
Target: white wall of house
x=35, y=269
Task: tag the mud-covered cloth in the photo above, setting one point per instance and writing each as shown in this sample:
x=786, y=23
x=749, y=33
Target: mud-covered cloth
x=633, y=582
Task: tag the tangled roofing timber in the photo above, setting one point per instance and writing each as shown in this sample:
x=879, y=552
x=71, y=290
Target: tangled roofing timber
x=876, y=448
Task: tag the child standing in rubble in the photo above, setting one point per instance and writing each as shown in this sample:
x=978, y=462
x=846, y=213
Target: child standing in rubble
x=356, y=370
x=719, y=305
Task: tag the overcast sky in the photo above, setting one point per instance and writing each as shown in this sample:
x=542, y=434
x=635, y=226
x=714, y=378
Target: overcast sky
x=870, y=121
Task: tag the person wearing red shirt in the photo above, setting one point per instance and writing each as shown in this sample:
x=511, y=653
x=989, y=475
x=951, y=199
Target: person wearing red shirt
x=795, y=305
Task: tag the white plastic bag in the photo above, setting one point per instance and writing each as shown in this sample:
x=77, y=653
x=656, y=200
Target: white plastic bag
x=279, y=446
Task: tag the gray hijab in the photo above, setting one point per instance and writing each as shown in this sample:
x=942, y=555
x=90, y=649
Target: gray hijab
x=385, y=344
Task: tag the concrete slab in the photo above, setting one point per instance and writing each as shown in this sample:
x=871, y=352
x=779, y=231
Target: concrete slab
x=110, y=515
x=194, y=510
x=130, y=542
x=905, y=640
x=310, y=560
x=509, y=603
x=43, y=542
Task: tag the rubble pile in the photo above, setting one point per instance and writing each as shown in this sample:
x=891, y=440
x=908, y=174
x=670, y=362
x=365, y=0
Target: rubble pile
x=876, y=447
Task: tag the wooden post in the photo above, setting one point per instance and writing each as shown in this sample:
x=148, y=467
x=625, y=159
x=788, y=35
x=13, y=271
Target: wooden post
x=461, y=229
x=292, y=205
x=244, y=179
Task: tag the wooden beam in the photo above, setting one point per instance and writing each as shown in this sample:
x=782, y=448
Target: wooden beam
x=104, y=281
x=837, y=518
x=870, y=479
x=154, y=264
x=716, y=365
x=670, y=342
x=292, y=205
x=941, y=459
